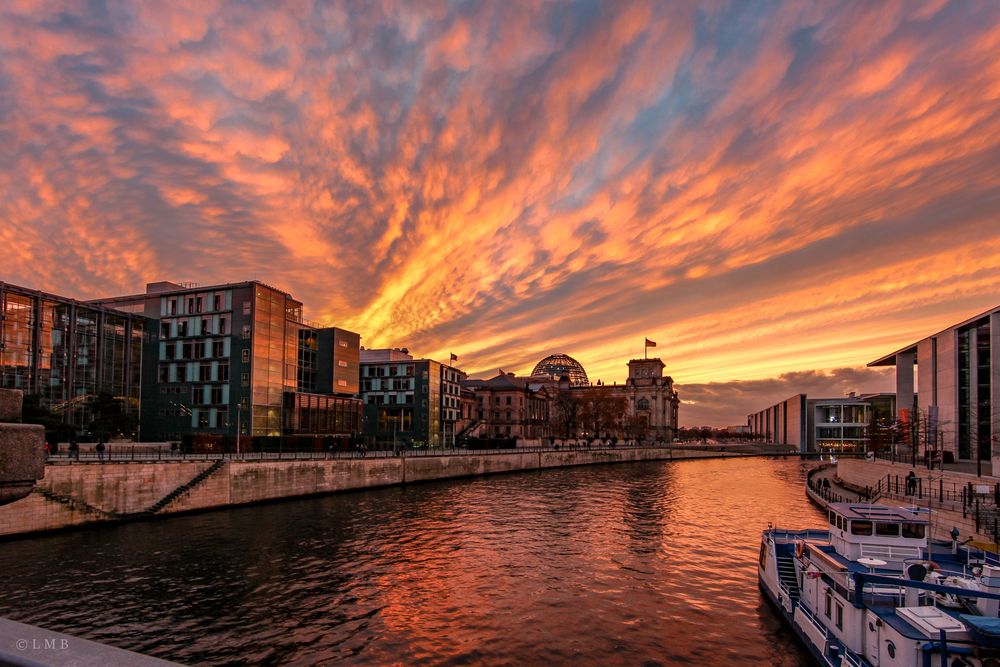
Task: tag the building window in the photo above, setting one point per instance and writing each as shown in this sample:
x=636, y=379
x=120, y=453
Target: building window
x=216, y=395
x=205, y=373
x=342, y=363
x=198, y=304
x=218, y=348
x=245, y=379
x=182, y=328
x=164, y=329
x=246, y=307
x=164, y=373
x=172, y=307
x=223, y=372
x=223, y=322
x=182, y=373
x=644, y=404
x=246, y=332
x=218, y=302
x=246, y=356
x=204, y=327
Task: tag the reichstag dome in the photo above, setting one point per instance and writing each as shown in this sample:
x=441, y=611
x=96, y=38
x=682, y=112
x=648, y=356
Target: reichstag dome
x=557, y=365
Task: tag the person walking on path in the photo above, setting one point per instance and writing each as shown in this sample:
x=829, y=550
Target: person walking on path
x=74, y=448
x=100, y=449
x=911, y=484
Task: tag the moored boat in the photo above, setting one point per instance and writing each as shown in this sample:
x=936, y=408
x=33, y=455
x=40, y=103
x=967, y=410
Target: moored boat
x=872, y=590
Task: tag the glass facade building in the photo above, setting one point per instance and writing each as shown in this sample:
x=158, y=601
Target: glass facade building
x=228, y=359
x=67, y=352
x=948, y=388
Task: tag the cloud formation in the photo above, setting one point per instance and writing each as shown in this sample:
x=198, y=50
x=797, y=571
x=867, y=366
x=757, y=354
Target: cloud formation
x=729, y=403
x=758, y=187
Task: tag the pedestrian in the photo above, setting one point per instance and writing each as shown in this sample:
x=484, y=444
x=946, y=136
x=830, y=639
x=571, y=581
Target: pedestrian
x=48, y=450
x=100, y=449
x=911, y=484
x=74, y=448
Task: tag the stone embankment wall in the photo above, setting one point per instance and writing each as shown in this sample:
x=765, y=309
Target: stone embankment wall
x=86, y=493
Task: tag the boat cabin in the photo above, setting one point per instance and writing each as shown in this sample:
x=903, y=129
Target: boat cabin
x=877, y=532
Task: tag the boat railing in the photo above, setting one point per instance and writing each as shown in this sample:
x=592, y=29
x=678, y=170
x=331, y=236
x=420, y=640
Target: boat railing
x=850, y=658
x=889, y=552
x=807, y=534
x=809, y=616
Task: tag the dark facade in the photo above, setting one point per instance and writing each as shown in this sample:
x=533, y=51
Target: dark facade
x=67, y=352
x=410, y=401
x=223, y=359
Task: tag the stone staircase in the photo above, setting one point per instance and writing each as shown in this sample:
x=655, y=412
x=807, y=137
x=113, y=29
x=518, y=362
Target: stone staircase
x=73, y=503
x=183, y=488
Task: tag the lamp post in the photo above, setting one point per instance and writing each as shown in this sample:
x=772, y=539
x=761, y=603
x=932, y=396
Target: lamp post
x=239, y=426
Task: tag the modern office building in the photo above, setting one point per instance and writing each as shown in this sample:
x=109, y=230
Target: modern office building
x=948, y=385
x=823, y=424
x=240, y=358
x=413, y=402
x=67, y=352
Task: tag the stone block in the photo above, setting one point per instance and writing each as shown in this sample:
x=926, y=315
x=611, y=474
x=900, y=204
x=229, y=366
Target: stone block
x=22, y=459
x=10, y=405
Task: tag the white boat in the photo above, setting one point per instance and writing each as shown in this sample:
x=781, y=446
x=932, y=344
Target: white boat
x=873, y=591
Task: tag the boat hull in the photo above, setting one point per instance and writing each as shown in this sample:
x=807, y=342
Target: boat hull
x=772, y=598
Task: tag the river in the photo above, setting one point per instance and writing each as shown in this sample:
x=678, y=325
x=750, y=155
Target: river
x=629, y=564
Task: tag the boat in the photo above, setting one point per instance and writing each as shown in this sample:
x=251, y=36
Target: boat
x=873, y=590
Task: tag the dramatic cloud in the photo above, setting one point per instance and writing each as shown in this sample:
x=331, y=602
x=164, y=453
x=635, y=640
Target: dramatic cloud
x=729, y=403
x=759, y=187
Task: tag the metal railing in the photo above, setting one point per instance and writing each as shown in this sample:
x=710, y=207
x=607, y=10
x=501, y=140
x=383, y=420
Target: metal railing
x=126, y=452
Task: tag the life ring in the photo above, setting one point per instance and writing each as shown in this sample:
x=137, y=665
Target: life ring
x=800, y=549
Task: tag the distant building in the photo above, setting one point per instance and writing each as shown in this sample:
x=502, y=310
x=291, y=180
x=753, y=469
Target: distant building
x=822, y=424
x=508, y=406
x=957, y=389
x=551, y=403
x=410, y=401
x=239, y=358
x=67, y=352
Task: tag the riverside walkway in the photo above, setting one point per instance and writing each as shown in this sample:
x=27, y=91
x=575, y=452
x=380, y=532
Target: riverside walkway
x=123, y=452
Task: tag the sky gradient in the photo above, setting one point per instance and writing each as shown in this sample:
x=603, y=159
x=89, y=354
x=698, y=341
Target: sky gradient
x=762, y=188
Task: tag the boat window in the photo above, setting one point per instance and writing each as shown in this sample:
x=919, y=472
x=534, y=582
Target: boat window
x=861, y=528
x=840, y=616
x=887, y=529
x=914, y=530
x=763, y=555
x=841, y=522
x=829, y=603
x=833, y=518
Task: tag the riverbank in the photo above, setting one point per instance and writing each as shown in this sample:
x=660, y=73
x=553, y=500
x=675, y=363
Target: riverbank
x=84, y=494
x=957, y=500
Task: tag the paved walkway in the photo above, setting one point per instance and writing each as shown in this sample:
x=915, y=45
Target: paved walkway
x=837, y=492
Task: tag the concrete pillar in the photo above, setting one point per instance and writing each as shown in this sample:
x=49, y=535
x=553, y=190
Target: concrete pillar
x=904, y=381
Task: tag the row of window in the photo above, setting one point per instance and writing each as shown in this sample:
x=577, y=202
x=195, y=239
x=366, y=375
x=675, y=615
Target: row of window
x=195, y=326
x=200, y=349
x=196, y=303
x=202, y=372
x=882, y=529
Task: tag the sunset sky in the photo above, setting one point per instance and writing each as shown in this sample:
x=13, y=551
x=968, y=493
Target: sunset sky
x=776, y=193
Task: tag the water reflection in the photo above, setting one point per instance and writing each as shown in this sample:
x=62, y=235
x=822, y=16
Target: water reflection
x=649, y=563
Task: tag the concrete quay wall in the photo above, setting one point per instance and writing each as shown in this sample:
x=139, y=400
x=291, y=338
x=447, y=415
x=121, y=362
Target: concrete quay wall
x=89, y=493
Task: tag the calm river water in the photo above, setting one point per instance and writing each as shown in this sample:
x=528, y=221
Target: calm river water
x=630, y=564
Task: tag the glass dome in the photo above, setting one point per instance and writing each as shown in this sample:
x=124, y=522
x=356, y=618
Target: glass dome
x=557, y=365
